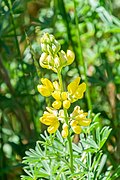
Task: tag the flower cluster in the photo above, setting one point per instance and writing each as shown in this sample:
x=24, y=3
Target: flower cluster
x=75, y=92
x=54, y=59
x=76, y=120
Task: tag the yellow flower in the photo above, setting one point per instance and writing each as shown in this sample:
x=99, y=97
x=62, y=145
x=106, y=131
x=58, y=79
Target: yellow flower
x=61, y=98
x=65, y=130
x=66, y=104
x=64, y=96
x=78, y=119
x=50, y=119
x=47, y=88
x=57, y=104
x=75, y=90
x=56, y=95
x=77, y=129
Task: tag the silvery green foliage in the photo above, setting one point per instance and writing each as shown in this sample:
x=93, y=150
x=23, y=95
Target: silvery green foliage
x=50, y=159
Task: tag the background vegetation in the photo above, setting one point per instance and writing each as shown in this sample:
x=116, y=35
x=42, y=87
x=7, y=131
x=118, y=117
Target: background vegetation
x=92, y=29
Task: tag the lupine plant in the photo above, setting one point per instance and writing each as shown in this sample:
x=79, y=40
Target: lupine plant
x=58, y=156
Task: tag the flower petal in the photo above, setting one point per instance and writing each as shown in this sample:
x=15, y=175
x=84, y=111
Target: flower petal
x=53, y=128
x=56, y=95
x=43, y=90
x=73, y=85
x=57, y=104
x=85, y=122
x=77, y=129
x=47, y=83
x=80, y=90
x=66, y=104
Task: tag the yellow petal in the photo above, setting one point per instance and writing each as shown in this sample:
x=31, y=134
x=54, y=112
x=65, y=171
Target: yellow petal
x=66, y=104
x=56, y=95
x=53, y=128
x=43, y=90
x=45, y=121
x=74, y=123
x=80, y=90
x=57, y=104
x=73, y=85
x=64, y=95
x=48, y=119
x=76, y=111
x=47, y=83
x=77, y=129
x=85, y=122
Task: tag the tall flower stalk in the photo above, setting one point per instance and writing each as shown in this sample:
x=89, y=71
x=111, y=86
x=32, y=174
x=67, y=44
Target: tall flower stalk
x=55, y=59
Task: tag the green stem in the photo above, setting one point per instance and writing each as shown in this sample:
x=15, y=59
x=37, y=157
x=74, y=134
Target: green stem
x=82, y=59
x=66, y=120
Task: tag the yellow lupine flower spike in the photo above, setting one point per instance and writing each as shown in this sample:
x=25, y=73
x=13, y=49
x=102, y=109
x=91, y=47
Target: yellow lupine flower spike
x=47, y=88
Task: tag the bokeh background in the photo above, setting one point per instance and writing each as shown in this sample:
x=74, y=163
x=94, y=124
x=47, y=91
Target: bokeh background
x=91, y=28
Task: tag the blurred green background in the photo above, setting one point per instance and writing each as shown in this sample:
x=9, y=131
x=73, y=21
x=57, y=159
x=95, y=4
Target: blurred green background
x=92, y=29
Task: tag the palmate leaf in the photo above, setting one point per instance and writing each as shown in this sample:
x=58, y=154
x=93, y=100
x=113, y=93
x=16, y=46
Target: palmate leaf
x=50, y=159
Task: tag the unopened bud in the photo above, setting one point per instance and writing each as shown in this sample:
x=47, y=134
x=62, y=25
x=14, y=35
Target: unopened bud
x=63, y=58
x=44, y=47
x=70, y=57
x=56, y=62
x=66, y=104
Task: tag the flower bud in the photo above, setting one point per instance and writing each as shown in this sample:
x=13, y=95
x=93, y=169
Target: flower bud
x=43, y=59
x=64, y=96
x=44, y=47
x=66, y=104
x=50, y=60
x=70, y=57
x=64, y=133
x=65, y=126
x=63, y=58
x=49, y=44
x=57, y=104
x=56, y=62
